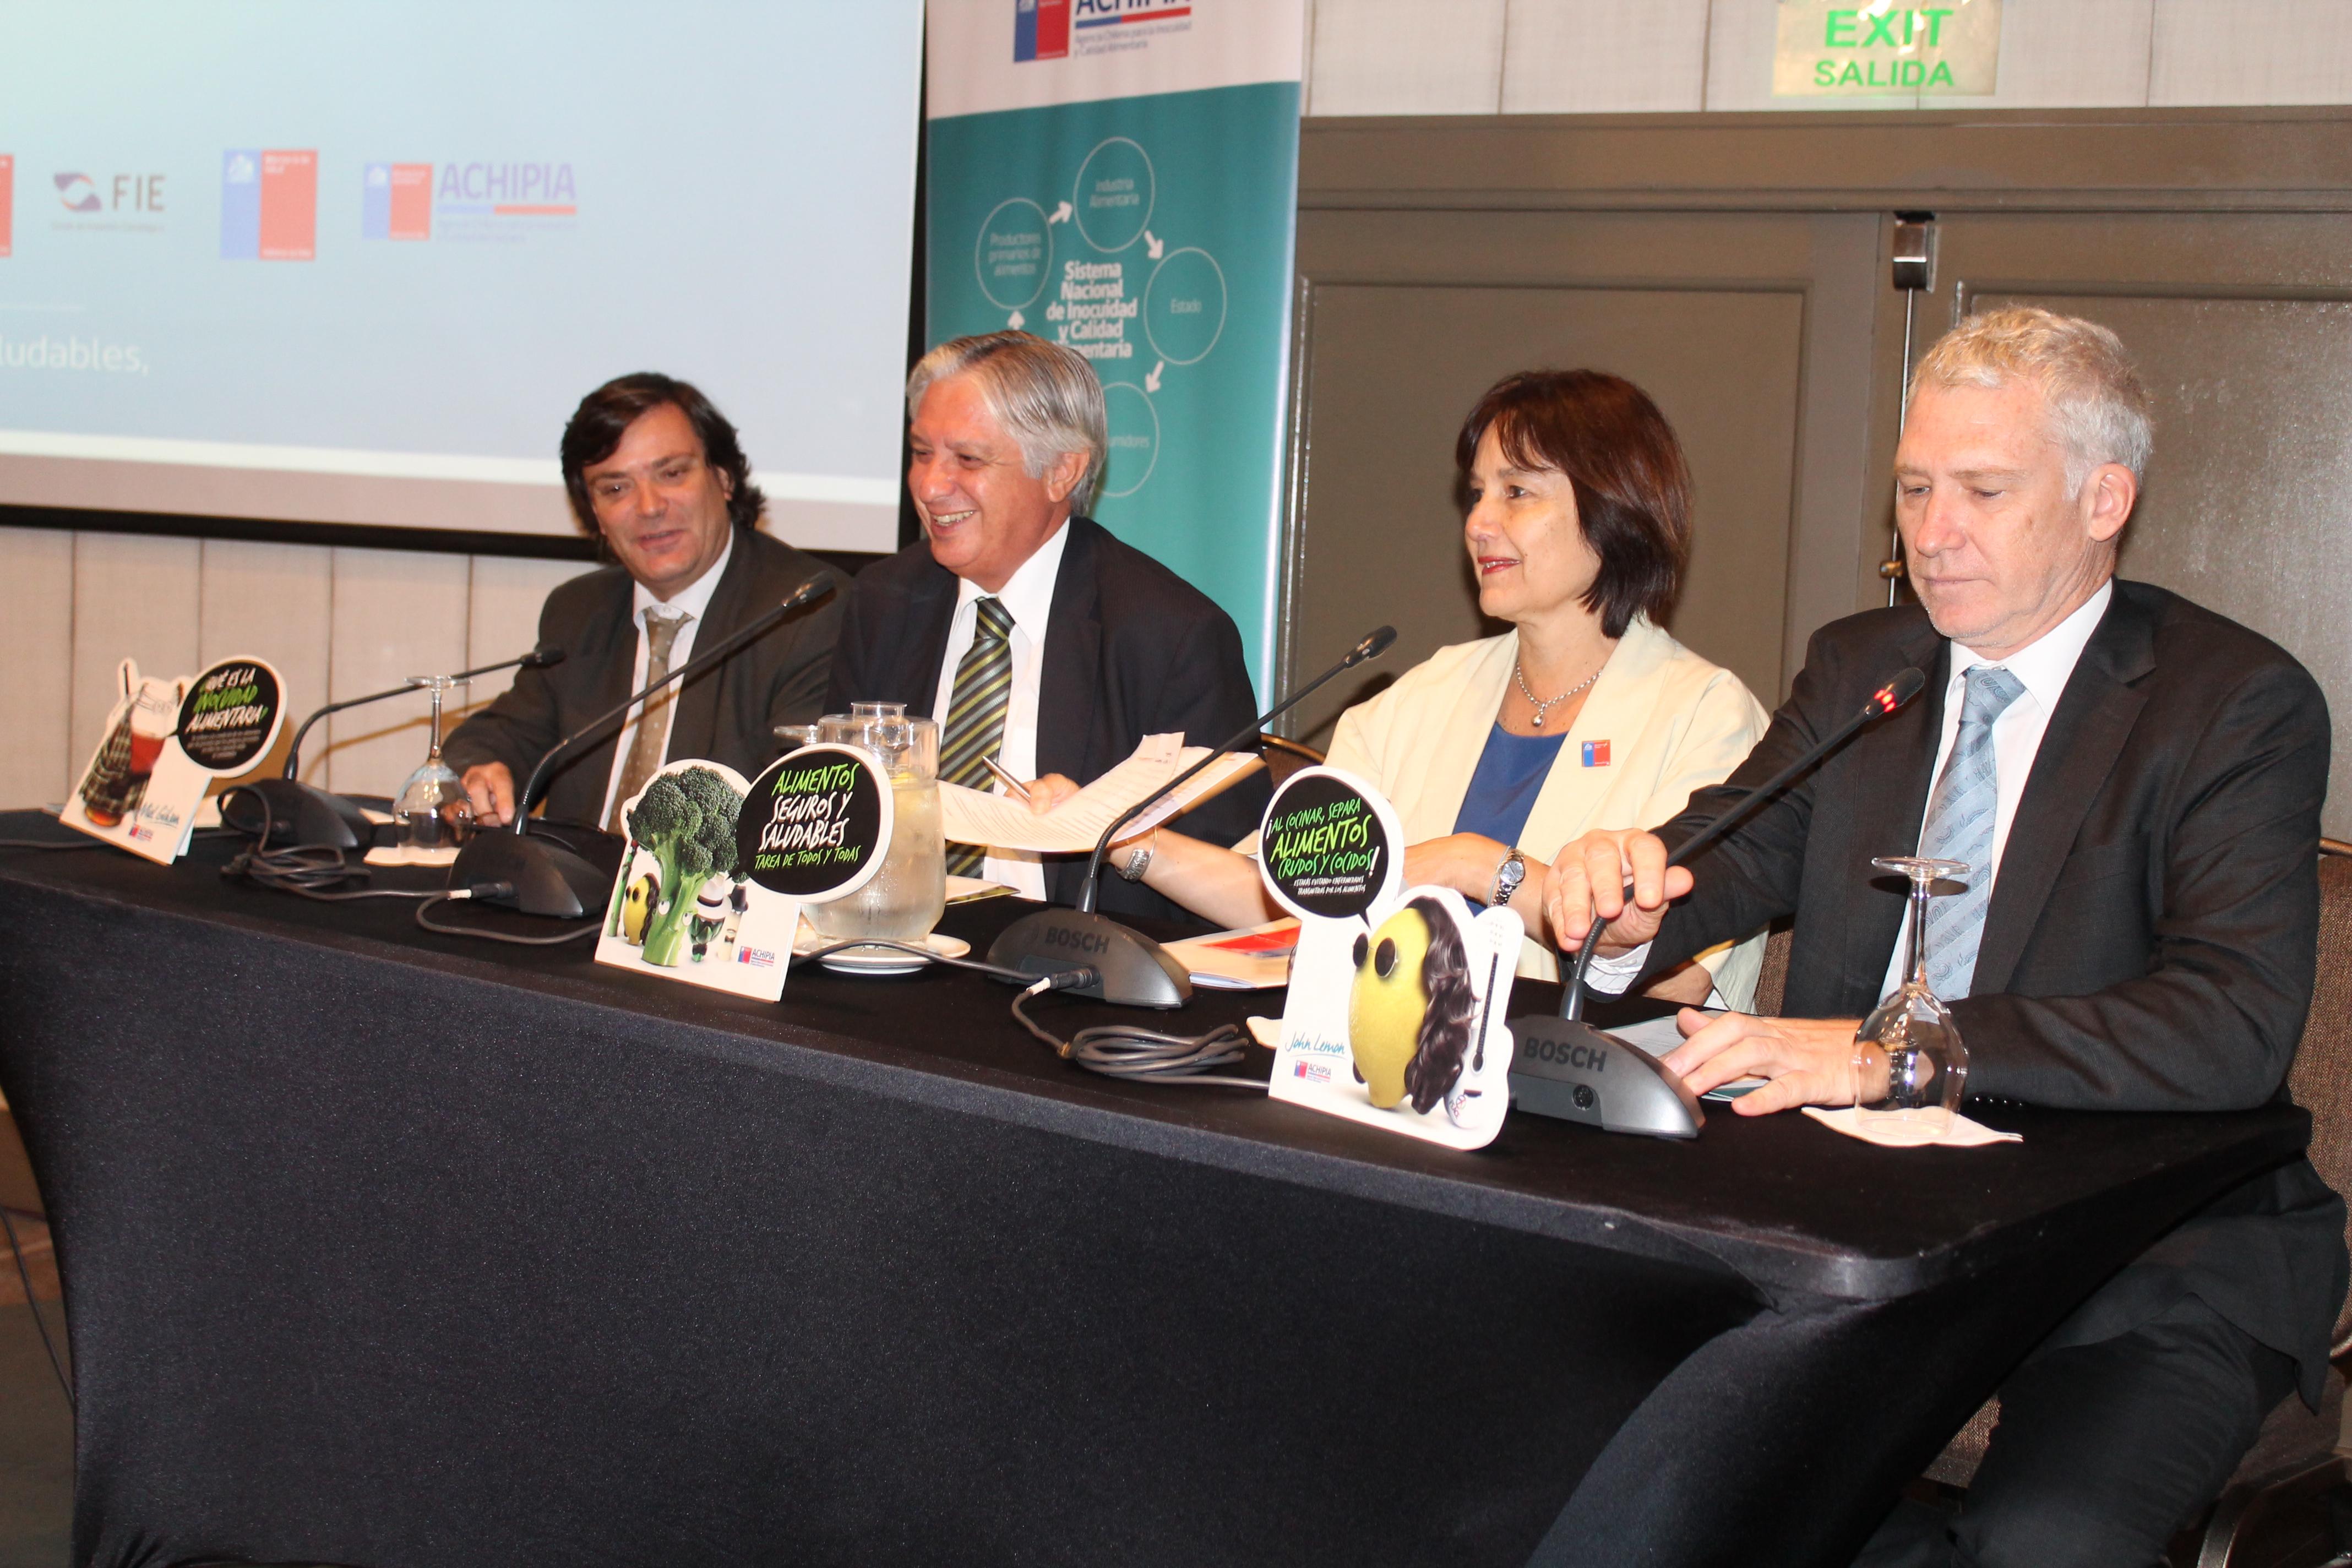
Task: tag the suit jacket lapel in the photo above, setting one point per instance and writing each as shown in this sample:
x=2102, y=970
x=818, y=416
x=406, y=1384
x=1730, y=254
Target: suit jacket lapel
x=1067, y=683
x=1896, y=758
x=2094, y=718
x=915, y=660
x=694, y=724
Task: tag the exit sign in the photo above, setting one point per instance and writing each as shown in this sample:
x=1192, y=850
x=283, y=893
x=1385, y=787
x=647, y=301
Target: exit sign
x=1842, y=48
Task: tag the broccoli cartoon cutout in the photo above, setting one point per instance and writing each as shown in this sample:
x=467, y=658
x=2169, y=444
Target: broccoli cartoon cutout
x=686, y=820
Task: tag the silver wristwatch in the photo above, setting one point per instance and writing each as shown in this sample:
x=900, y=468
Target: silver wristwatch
x=1507, y=878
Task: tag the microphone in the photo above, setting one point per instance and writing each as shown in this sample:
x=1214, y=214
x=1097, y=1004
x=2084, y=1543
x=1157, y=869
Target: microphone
x=1559, y=1066
x=547, y=878
x=1133, y=970
x=307, y=814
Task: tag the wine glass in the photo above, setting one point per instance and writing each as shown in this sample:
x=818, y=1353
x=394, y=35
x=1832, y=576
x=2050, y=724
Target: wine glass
x=1912, y=1030
x=434, y=811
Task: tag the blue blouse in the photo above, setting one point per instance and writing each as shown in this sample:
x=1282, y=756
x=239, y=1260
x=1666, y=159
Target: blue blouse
x=1510, y=774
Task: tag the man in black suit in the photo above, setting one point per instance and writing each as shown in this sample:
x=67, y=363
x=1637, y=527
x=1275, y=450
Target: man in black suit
x=1036, y=637
x=655, y=471
x=2143, y=779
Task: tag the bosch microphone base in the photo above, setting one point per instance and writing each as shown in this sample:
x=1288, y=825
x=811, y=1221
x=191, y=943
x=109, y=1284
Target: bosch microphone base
x=1566, y=1068
x=1136, y=971
x=302, y=814
x=548, y=879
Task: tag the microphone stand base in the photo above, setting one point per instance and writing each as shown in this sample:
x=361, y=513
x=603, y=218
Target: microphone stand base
x=1136, y=971
x=302, y=814
x=548, y=879
x=1566, y=1068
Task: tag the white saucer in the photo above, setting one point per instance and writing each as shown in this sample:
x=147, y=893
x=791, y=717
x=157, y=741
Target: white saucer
x=891, y=960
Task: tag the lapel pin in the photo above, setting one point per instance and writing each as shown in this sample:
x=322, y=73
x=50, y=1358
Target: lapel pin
x=1596, y=753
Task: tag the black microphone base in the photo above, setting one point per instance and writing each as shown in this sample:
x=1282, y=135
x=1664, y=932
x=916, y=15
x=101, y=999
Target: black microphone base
x=548, y=879
x=1136, y=971
x=302, y=814
x=1566, y=1068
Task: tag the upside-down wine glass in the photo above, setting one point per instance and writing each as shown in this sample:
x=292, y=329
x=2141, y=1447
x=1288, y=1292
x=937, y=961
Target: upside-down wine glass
x=1911, y=1029
x=434, y=811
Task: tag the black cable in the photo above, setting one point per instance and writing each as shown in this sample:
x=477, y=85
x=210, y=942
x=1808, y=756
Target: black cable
x=1139, y=1056
x=307, y=871
x=993, y=971
x=490, y=889
x=17, y=1249
x=48, y=844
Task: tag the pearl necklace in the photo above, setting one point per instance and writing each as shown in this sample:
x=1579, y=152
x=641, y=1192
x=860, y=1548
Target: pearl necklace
x=1518, y=673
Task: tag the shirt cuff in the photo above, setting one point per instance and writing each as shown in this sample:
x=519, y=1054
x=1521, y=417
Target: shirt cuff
x=1610, y=976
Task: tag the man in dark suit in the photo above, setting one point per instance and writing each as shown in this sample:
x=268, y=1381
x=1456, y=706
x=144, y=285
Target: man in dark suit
x=1036, y=639
x=656, y=472
x=2143, y=779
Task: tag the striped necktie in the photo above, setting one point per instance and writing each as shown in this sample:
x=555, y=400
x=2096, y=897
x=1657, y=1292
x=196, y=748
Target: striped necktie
x=976, y=728
x=1960, y=827
x=650, y=737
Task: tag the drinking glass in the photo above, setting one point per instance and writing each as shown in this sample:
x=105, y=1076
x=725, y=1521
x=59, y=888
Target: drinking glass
x=434, y=811
x=908, y=894
x=1926, y=1065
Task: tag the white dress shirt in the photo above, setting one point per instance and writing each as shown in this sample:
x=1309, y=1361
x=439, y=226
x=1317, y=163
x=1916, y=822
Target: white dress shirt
x=2042, y=667
x=1028, y=598
x=694, y=602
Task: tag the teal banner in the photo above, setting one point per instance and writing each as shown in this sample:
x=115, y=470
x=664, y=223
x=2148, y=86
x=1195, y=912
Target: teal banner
x=1154, y=234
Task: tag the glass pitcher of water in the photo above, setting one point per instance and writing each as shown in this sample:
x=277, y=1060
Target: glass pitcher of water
x=907, y=897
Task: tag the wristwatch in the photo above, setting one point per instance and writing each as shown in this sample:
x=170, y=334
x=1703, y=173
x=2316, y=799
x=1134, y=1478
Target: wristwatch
x=1507, y=878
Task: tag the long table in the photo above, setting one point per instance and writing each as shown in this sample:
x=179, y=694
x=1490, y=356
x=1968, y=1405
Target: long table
x=388, y=1249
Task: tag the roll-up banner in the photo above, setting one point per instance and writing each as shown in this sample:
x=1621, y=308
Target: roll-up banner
x=1122, y=176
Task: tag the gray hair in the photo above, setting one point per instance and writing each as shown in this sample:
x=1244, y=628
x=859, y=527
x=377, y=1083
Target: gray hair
x=1044, y=394
x=2098, y=409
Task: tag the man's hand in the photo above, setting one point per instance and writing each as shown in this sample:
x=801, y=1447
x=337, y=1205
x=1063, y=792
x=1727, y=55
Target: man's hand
x=1047, y=791
x=491, y=786
x=1592, y=873
x=1810, y=1061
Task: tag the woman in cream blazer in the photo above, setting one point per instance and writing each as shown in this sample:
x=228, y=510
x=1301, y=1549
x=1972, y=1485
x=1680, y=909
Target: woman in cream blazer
x=1660, y=723
x=1584, y=715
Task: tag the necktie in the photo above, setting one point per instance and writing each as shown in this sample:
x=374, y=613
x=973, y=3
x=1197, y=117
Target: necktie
x=1960, y=827
x=984, y=689
x=651, y=737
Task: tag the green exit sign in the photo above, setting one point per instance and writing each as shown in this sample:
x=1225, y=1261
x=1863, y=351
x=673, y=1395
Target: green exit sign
x=1838, y=48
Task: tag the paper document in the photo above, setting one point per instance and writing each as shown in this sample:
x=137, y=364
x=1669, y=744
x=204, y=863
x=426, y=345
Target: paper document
x=1001, y=821
x=1256, y=959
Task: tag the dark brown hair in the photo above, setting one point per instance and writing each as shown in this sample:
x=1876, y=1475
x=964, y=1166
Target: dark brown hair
x=1452, y=1015
x=1620, y=457
x=605, y=415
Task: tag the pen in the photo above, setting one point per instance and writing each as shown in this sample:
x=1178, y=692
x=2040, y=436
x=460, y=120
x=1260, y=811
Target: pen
x=1015, y=786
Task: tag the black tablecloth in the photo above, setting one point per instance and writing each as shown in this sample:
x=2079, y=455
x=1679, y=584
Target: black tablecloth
x=389, y=1248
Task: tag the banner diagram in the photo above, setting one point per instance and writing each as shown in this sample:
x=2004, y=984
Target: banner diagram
x=1123, y=179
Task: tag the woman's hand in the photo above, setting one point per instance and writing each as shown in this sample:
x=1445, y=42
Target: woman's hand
x=1464, y=862
x=1047, y=791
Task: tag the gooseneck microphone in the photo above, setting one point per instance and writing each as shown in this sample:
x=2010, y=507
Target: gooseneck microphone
x=1135, y=971
x=546, y=877
x=1559, y=1065
x=308, y=815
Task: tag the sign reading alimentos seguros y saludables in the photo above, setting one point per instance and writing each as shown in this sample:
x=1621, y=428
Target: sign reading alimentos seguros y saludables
x=1833, y=49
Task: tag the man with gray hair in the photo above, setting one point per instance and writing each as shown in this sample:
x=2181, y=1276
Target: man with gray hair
x=1037, y=639
x=2135, y=784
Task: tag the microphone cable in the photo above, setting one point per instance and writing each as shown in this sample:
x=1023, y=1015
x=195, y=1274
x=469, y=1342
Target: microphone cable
x=1113, y=1050
x=494, y=891
x=307, y=871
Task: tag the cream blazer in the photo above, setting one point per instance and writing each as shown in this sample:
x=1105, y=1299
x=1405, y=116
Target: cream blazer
x=1672, y=721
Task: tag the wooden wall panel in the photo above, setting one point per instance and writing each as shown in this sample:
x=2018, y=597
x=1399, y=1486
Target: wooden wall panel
x=1405, y=56
x=272, y=602
x=2250, y=52
x=395, y=615
x=135, y=596
x=35, y=709
x=1603, y=56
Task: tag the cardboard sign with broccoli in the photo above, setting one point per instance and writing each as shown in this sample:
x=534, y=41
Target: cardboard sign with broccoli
x=682, y=906
x=716, y=870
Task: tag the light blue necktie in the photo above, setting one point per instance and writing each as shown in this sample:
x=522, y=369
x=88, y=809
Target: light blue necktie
x=1960, y=827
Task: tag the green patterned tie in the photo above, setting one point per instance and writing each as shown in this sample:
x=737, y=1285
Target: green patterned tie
x=975, y=729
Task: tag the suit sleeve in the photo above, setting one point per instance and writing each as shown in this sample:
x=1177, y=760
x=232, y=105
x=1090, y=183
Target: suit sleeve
x=519, y=726
x=798, y=693
x=849, y=674
x=1750, y=877
x=2214, y=1023
x=1208, y=696
x=1723, y=728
